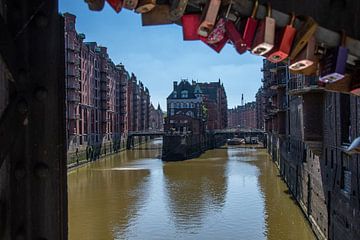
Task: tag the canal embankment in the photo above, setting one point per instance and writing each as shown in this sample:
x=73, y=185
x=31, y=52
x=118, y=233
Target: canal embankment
x=77, y=157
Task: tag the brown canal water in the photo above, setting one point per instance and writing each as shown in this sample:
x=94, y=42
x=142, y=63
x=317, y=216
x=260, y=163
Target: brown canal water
x=228, y=193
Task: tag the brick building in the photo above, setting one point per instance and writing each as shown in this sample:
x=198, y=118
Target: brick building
x=156, y=119
x=260, y=109
x=243, y=116
x=103, y=102
x=215, y=100
x=308, y=131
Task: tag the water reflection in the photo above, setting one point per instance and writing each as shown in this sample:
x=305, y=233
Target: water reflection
x=230, y=193
x=105, y=197
x=195, y=189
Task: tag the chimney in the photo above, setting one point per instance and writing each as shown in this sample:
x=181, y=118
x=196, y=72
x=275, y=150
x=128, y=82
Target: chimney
x=175, y=85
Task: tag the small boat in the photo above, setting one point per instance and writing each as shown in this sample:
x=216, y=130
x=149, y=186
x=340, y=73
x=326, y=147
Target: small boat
x=235, y=141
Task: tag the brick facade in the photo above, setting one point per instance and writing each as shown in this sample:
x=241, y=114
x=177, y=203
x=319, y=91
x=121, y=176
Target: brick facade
x=243, y=116
x=156, y=119
x=308, y=131
x=103, y=101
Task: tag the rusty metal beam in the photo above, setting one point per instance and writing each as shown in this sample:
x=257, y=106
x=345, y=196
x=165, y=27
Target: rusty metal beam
x=13, y=118
x=7, y=48
x=33, y=126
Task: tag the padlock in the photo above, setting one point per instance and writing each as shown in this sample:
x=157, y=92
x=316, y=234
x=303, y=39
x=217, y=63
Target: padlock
x=218, y=33
x=190, y=26
x=306, y=31
x=145, y=6
x=355, y=79
x=235, y=37
x=248, y=27
x=306, y=58
x=284, y=42
x=160, y=15
x=265, y=35
x=217, y=47
x=211, y=12
x=333, y=64
x=95, y=5
x=177, y=9
x=116, y=4
x=130, y=4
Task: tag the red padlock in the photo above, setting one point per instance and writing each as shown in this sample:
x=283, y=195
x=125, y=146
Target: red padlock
x=210, y=17
x=355, y=79
x=284, y=42
x=265, y=35
x=218, y=33
x=217, y=47
x=249, y=27
x=235, y=37
x=190, y=26
x=116, y=4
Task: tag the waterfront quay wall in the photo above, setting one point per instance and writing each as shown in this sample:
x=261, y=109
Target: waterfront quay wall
x=182, y=147
x=92, y=152
x=322, y=177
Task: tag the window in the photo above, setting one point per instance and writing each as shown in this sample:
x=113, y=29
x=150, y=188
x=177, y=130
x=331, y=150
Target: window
x=345, y=118
x=345, y=173
x=184, y=94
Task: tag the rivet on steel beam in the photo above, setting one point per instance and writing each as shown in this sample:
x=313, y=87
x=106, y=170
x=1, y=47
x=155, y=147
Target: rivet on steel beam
x=41, y=93
x=41, y=20
x=41, y=170
x=19, y=173
x=26, y=121
x=22, y=106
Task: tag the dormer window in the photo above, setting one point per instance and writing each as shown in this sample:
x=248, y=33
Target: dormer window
x=184, y=94
x=175, y=94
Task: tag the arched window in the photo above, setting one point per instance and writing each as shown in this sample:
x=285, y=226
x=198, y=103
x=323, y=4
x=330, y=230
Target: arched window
x=184, y=94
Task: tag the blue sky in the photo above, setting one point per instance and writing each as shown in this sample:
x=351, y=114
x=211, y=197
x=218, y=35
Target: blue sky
x=158, y=55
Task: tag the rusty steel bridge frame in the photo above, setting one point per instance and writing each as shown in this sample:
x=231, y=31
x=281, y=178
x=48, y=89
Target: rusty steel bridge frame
x=33, y=172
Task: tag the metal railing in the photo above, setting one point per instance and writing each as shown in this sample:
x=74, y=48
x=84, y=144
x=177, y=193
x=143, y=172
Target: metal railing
x=301, y=82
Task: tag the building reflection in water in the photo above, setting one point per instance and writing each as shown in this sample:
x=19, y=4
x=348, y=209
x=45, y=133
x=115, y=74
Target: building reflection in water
x=195, y=189
x=104, y=203
x=230, y=193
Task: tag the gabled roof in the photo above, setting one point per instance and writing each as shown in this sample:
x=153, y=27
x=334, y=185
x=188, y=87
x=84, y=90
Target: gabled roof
x=178, y=88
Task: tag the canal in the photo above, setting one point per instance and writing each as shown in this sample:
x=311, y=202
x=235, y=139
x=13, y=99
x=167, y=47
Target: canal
x=227, y=193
